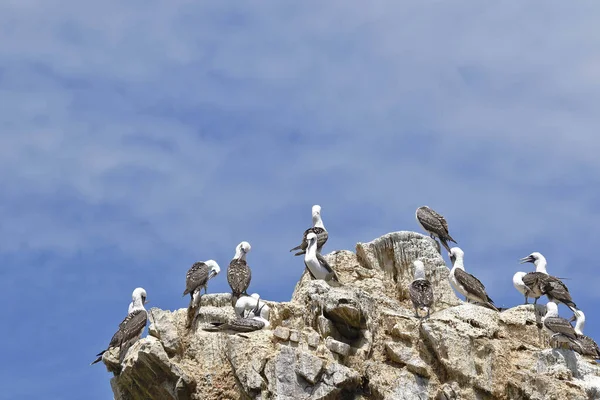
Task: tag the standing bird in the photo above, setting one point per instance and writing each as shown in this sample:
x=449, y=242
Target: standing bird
x=465, y=283
x=238, y=272
x=559, y=328
x=130, y=329
x=318, y=228
x=315, y=263
x=523, y=288
x=588, y=346
x=539, y=283
x=420, y=289
x=435, y=225
x=197, y=278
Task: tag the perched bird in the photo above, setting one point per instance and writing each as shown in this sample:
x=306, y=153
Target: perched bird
x=524, y=289
x=420, y=289
x=465, y=283
x=131, y=328
x=318, y=228
x=251, y=321
x=559, y=329
x=539, y=283
x=197, y=278
x=249, y=303
x=239, y=273
x=435, y=225
x=317, y=266
x=588, y=346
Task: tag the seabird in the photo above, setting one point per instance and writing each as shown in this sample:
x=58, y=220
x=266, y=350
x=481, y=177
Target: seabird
x=250, y=322
x=318, y=228
x=465, y=283
x=315, y=263
x=588, y=346
x=131, y=328
x=197, y=278
x=420, y=289
x=539, y=283
x=249, y=303
x=239, y=273
x=559, y=328
x=435, y=225
x=521, y=287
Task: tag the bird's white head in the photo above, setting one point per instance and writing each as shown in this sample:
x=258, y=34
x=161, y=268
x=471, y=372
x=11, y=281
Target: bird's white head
x=242, y=249
x=139, y=297
x=214, y=268
x=255, y=296
x=316, y=216
x=456, y=254
x=537, y=259
x=419, y=269
x=551, y=309
x=311, y=238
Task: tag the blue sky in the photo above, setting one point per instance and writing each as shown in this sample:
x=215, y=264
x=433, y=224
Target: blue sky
x=139, y=137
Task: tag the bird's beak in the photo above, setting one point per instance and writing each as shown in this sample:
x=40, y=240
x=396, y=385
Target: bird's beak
x=147, y=301
x=452, y=257
x=573, y=318
x=212, y=274
x=526, y=260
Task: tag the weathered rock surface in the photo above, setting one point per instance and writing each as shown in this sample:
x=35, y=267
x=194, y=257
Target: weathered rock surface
x=358, y=341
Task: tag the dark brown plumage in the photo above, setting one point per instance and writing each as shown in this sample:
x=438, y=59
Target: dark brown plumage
x=588, y=347
x=129, y=331
x=540, y=284
x=238, y=325
x=435, y=224
x=322, y=237
x=238, y=277
x=421, y=294
x=474, y=287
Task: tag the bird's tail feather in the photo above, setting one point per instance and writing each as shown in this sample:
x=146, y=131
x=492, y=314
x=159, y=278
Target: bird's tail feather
x=445, y=244
x=234, y=299
x=99, y=355
x=450, y=239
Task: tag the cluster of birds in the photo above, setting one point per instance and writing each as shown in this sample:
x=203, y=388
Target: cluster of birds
x=531, y=284
x=252, y=315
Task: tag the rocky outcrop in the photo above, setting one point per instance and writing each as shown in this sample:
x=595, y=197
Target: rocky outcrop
x=358, y=341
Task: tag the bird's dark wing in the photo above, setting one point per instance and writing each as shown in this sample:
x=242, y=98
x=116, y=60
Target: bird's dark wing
x=328, y=267
x=432, y=221
x=534, y=282
x=322, y=237
x=133, y=325
x=238, y=325
x=421, y=292
x=556, y=289
x=238, y=276
x=196, y=276
x=472, y=284
x=560, y=325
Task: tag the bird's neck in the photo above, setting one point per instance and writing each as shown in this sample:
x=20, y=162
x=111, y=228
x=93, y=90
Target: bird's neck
x=311, y=251
x=419, y=274
x=137, y=305
x=459, y=263
x=579, y=325
x=540, y=266
x=240, y=255
x=318, y=222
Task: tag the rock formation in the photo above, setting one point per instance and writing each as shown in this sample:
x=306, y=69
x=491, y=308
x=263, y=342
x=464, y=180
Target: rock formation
x=359, y=341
